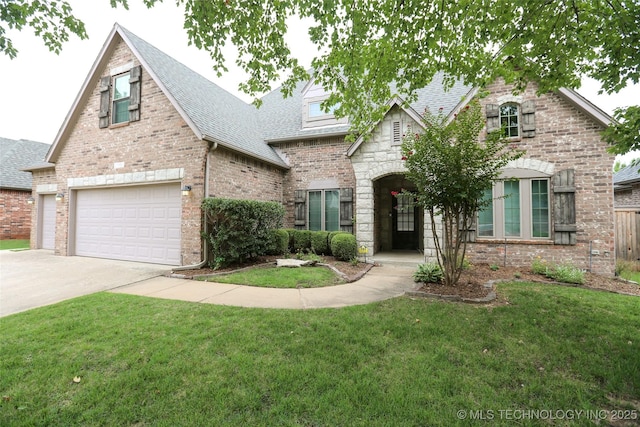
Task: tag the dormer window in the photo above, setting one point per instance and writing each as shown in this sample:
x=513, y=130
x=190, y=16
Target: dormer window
x=315, y=110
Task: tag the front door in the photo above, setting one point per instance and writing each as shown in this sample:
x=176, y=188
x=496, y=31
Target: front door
x=405, y=228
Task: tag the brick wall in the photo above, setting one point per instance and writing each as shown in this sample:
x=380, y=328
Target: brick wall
x=235, y=176
x=160, y=141
x=314, y=160
x=628, y=198
x=568, y=139
x=15, y=214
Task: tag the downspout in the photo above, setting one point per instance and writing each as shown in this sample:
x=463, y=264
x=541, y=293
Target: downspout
x=213, y=145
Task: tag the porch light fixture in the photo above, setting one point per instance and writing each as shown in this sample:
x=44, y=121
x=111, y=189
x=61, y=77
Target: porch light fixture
x=186, y=190
x=59, y=197
x=31, y=200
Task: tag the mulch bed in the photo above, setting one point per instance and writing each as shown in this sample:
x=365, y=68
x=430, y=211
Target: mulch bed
x=471, y=285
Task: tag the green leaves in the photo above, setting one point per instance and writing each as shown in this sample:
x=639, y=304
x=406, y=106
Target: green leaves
x=50, y=20
x=624, y=136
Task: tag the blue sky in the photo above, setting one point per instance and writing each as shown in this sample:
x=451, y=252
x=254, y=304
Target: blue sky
x=40, y=86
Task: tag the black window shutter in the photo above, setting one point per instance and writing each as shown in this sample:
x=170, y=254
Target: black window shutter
x=493, y=117
x=300, y=209
x=564, y=209
x=134, y=94
x=346, y=209
x=105, y=83
x=528, y=119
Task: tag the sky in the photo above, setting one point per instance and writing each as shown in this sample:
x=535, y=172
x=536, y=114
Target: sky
x=39, y=86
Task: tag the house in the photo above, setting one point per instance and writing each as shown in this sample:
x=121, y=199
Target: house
x=626, y=188
x=15, y=185
x=145, y=127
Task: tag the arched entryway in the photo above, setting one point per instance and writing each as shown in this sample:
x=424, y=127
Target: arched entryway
x=399, y=223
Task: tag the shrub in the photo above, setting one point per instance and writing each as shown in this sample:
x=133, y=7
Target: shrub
x=280, y=242
x=539, y=266
x=240, y=229
x=566, y=274
x=429, y=273
x=292, y=233
x=320, y=242
x=344, y=246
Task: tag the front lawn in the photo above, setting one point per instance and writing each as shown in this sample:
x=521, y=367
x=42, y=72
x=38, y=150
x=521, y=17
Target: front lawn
x=14, y=244
x=113, y=359
x=281, y=277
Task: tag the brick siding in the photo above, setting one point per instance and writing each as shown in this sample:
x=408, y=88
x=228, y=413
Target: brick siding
x=311, y=160
x=568, y=139
x=628, y=198
x=15, y=214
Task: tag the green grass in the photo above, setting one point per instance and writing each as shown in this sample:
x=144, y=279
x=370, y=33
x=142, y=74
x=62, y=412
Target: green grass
x=401, y=362
x=281, y=277
x=14, y=244
x=631, y=275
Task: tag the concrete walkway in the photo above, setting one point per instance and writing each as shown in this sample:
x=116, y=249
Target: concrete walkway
x=380, y=283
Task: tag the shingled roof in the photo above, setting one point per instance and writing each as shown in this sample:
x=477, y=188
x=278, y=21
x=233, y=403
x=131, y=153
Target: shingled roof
x=627, y=175
x=16, y=155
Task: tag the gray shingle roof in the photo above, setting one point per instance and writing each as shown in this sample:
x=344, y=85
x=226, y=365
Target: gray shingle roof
x=215, y=112
x=16, y=155
x=627, y=175
x=241, y=126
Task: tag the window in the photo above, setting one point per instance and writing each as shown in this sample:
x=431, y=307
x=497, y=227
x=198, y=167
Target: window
x=324, y=210
x=519, y=210
x=405, y=218
x=121, y=91
x=509, y=120
x=315, y=109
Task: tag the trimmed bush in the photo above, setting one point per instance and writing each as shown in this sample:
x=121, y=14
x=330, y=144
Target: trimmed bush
x=240, y=229
x=320, y=242
x=301, y=241
x=344, y=246
x=280, y=242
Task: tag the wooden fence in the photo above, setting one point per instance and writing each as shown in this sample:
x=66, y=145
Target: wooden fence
x=628, y=234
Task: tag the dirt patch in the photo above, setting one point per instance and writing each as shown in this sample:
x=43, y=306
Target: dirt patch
x=471, y=285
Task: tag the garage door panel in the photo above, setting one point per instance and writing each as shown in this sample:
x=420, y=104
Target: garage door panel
x=139, y=223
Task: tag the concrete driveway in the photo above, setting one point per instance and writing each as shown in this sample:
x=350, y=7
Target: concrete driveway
x=35, y=278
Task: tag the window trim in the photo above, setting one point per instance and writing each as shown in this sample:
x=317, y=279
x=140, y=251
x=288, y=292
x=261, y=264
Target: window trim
x=525, y=208
x=121, y=100
x=517, y=115
x=323, y=208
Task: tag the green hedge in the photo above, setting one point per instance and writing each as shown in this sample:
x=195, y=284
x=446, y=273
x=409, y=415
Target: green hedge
x=344, y=246
x=320, y=242
x=241, y=229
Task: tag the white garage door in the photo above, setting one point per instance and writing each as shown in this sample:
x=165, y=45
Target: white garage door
x=140, y=223
x=48, y=222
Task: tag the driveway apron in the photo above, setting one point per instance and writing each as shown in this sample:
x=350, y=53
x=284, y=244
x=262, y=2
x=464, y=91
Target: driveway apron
x=35, y=278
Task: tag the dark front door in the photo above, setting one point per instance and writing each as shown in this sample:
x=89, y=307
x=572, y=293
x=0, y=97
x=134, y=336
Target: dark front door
x=405, y=227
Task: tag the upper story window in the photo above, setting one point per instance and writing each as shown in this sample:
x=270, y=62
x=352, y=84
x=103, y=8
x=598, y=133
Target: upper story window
x=120, y=96
x=515, y=117
x=510, y=120
x=315, y=110
x=121, y=93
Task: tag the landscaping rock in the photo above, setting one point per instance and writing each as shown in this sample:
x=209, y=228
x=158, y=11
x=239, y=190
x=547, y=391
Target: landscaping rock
x=294, y=263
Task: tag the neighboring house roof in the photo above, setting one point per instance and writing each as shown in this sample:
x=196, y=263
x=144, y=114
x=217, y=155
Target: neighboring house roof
x=15, y=155
x=626, y=176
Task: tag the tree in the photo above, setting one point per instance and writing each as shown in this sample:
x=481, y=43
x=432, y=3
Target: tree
x=364, y=45
x=452, y=169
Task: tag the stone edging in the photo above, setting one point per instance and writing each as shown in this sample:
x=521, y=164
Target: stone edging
x=491, y=296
